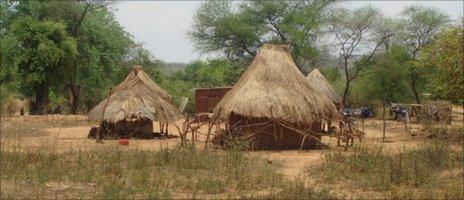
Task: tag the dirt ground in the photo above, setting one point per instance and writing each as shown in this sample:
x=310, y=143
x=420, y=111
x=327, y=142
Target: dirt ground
x=63, y=133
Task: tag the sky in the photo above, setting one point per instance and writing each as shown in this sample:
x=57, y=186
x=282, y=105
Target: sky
x=161, y=26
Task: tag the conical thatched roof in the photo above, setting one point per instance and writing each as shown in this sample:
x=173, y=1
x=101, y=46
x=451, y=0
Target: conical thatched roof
x=273, y=87
x=320, y=83
x=137, y=96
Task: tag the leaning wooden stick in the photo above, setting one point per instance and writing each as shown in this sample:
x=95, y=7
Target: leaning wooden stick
x=99, y=138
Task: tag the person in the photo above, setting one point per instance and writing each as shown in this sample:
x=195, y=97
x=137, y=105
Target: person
x=365, y=112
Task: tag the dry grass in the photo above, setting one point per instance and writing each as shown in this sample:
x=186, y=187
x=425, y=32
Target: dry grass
x=433, y=170
x=33, y=126
x=112, y=173
x=273, y=87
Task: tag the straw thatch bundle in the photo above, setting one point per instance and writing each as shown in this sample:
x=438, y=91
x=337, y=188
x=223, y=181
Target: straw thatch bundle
x=273, y=87
x=136, y=97
x=320, y=83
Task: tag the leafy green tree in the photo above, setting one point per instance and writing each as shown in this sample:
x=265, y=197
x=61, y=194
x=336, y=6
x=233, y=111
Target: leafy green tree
x=107, y=53
x=237, y=33
x=445, y=56
x=102, y=45
x=212, y=73
x=103, y=48
x=420, y=28
x=44, y=48
x=354, y=32
x=386, y=80
x=200, y=74
x=334, y=76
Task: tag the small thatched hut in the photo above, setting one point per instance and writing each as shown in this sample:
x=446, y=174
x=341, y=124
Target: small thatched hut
x=132, y=107
x=273, y=90
x=320, y=83
x=15, y=106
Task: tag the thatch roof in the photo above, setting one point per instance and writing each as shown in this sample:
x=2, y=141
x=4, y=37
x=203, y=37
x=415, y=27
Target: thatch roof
x=273, y=87
x=136, y=97
x=320, y=83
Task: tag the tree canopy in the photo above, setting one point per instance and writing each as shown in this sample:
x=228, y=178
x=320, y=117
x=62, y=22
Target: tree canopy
x=238, y=29
x=445, y=56
x=64, y=56
x=72, y=49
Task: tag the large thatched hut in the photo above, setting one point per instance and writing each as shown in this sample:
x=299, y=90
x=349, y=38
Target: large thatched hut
x=132, y=106
x=272, y=101
x=320, y=83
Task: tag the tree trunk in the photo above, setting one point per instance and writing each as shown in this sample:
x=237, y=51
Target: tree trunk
x=414, y=86
x=383, y=120
x=40, y=104
x=74, y=98
x=345, y=93
x=347, y=83
x=416, y=94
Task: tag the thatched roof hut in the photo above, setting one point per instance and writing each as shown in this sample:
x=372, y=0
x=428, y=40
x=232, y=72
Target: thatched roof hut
x=320, y=83
x=137, y=97
x=273, y=88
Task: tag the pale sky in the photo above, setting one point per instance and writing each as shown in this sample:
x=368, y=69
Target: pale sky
x=161, y=26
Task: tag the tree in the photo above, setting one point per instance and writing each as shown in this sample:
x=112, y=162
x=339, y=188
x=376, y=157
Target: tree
x=78, y=15
x=445, y=56
x=44, y=47
x=75, y=13
x=420, y=27
x=200, y=74
x=213, y=73
x=357, y=32
x=106, y=54
x=386, y=79
x=218, y=27
x=102, y=45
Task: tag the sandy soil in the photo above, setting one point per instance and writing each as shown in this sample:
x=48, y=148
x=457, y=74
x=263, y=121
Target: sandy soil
x=63, y=133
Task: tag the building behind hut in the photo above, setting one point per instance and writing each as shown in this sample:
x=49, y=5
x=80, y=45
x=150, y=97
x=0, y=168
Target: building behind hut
x=272, y=103
x=207, y=98
x=132, y=106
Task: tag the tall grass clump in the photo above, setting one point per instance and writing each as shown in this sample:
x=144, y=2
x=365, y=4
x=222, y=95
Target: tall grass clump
x=296, y=190
x=125, y=174
x=381, y=170
x=443, y=132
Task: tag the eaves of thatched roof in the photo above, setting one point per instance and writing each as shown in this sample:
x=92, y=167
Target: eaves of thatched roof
x=320, y=83
x=273, y=87
x=136, y=97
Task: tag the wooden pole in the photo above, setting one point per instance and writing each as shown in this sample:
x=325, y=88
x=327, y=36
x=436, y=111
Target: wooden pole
x=98, y=137
x=462, y=101
x=210, y=126
x=383, y=119
x=362, y=123
x=161, y=128
x=167, y=127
